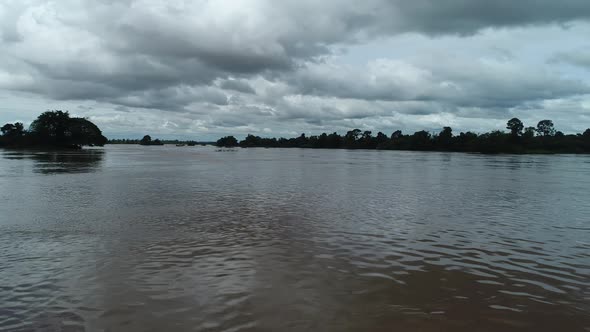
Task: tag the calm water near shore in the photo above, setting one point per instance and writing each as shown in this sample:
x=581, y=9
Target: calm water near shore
x=131, y=238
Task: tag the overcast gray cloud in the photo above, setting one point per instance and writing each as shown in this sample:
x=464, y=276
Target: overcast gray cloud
x=578, y=58
x=458, y=81
x=204, y=68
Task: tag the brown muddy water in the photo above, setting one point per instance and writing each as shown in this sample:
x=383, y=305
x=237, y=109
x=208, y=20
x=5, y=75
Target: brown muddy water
x=131, y=238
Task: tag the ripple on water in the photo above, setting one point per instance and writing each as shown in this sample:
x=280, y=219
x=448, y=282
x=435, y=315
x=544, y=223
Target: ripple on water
x=179, y=239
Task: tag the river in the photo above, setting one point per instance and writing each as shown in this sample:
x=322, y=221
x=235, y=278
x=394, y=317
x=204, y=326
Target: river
x=131, y=238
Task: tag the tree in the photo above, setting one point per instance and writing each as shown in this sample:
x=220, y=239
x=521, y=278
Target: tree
x=84, y=132
x=353, y=135
x=227, y=141
x=381, y=139
x=529, y=132
x=420, y=140
x=445, y=137
x=466, y=141
x=57, y=128
x=7, y=129
x=351, y=138
x=146, y=140
x=13, y=130
x=586, y=137
x=396, y=135
x=301, y=140
x=334, y=140
x=515, y=126
x=251, y=141
x=52, y=127
x=545, y=128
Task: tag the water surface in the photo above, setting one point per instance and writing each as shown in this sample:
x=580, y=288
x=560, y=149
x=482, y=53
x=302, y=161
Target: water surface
x=131, y=238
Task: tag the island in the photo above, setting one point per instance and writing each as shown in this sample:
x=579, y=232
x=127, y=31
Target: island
x=147, y=140
x=52, y=129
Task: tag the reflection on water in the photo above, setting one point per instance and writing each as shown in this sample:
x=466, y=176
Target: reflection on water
x=52, y=162
x=168, y=239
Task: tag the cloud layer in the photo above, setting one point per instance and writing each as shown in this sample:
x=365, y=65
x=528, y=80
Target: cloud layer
x=215, y=67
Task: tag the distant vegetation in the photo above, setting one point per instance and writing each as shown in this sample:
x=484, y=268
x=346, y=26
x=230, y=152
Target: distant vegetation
x=147, y=140
x=227, y=141
x=54, y=129
x=57, y=129
x=540, y=139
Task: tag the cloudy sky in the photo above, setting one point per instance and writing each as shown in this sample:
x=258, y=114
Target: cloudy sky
x=205, y=68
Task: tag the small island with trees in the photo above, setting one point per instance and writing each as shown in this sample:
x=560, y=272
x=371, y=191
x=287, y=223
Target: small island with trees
x=52, y=129
x=147, y=140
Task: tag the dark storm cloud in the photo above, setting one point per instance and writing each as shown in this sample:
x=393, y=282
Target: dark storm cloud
x=210, y=51
x=140, y=45
x=250, y=58
x=467, y=16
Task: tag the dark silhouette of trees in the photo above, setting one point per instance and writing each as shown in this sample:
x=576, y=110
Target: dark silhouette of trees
x=421, y=140
x=445, y=138
x=515, y=126
x=83, y=132
x=53, y=126
x=381, y=140
x=12, y=134
x=518, y=140
x=13, y=129
x=351, y=137
x=545, y=128
x=53, y=129
x=227, y=141
x=147, y=140
x=156, y=141
x=529, y=132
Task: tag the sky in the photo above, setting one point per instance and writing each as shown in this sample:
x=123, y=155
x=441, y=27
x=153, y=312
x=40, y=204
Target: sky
x=202, y=69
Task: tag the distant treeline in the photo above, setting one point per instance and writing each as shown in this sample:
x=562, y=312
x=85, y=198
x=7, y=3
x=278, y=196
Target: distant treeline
x=58, y=129
x=52, y=129
x=540, y=139
x=147, y=140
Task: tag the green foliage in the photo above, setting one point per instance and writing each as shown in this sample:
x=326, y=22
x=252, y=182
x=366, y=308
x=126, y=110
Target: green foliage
x=53, y=129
